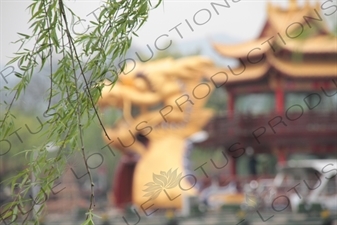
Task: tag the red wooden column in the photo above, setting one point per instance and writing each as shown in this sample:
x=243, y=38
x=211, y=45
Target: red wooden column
x=279, y=100
x=279, y=108
x=231, y=103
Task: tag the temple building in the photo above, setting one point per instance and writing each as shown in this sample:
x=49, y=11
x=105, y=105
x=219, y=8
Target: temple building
x=282, y=96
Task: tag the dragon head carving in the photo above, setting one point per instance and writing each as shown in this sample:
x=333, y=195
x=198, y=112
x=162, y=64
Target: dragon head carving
x=163, y=104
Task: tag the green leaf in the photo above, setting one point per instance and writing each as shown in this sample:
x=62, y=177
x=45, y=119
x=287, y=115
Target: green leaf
x=13, y=60
x=26, y=36
x=54, y=38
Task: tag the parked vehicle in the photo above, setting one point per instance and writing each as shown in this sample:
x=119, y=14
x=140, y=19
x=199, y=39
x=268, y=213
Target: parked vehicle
x=303, y=184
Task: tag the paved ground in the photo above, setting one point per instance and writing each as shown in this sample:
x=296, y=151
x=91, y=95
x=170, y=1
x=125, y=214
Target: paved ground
x=211, y=218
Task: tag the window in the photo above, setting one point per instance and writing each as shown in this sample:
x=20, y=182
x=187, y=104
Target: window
x=311, y=101
x=299, y=98
x=257, y=103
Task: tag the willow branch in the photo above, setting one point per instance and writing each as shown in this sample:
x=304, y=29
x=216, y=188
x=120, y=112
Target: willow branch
x=72, y=45
x=78, y=107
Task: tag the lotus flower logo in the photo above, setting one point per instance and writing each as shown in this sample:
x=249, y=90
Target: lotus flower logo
x=162, y=181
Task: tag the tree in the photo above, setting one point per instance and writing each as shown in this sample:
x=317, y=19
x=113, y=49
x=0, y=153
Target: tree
x=75, y=84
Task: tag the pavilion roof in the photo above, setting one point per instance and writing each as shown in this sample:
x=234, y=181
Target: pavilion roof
x=318, y=44
x=279, y=21
x=317, y=41
x=303, y=69
x=224, y=75
x=242, y=49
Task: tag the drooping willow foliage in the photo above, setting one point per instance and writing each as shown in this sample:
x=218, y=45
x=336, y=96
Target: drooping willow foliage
x=83, y=62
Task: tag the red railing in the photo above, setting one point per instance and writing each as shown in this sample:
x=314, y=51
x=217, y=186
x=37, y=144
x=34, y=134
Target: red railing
x=314, y=127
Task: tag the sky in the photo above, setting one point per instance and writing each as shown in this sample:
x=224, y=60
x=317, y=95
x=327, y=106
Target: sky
x=242, y=21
